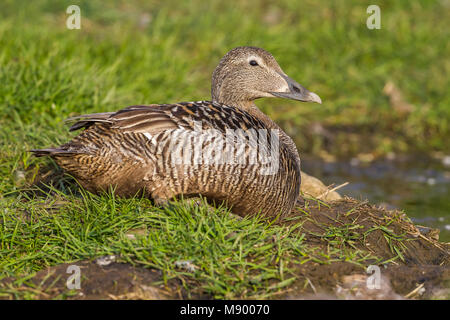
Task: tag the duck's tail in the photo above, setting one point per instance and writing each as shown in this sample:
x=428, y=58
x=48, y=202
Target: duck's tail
x=52, y=152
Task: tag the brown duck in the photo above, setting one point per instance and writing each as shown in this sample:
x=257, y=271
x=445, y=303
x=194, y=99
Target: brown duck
x=226, y=149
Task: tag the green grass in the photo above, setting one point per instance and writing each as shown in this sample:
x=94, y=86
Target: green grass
x=140, y=52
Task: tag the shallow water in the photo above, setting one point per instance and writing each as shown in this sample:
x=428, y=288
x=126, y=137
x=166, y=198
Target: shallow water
x=420, y=187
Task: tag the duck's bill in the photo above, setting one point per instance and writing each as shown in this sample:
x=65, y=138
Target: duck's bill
x=297, y=92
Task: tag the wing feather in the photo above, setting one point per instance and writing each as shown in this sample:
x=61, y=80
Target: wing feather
x=154, y=118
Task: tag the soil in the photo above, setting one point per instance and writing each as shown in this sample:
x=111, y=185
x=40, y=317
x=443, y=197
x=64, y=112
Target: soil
x=422, y=271
x=419, y=248
x=113, y=281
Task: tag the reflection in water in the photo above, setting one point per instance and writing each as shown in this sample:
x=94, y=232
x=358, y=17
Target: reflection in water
x=420, y=187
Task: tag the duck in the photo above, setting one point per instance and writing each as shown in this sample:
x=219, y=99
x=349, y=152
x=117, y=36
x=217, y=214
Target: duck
x=224, y=149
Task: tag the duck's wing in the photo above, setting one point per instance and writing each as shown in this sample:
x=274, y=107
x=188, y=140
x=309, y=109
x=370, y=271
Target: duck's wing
x=148, y=119
x=153, y=119
x=104, y=131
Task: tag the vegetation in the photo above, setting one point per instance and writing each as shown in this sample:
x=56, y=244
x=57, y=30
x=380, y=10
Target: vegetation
x=208, y=250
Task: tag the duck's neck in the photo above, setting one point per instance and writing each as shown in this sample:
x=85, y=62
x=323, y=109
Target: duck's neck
x=250, y=107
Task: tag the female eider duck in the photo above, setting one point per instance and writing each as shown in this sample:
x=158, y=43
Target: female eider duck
x=226, y=149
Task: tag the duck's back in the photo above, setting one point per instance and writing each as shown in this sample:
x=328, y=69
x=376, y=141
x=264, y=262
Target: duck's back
x=206, y=148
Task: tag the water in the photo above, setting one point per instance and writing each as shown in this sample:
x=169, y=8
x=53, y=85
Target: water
x=420, y=187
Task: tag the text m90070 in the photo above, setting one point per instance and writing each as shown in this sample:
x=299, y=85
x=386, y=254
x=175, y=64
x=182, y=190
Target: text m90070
x=247, y=309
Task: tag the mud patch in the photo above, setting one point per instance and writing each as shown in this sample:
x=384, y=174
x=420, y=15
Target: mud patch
x=345, y=280
x=350, y=224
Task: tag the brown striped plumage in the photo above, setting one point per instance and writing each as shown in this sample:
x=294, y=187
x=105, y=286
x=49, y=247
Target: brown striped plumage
x=244, y=159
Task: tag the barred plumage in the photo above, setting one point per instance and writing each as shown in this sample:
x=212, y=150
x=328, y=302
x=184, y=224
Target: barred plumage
x=226, y=149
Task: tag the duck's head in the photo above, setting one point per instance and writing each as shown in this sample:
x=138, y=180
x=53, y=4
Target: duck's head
x=248, y=73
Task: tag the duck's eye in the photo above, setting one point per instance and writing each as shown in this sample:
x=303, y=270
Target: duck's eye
x=253, y=63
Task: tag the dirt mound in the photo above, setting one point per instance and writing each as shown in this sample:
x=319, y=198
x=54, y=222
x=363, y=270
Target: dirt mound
x=387, y=234
x=411, y=264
